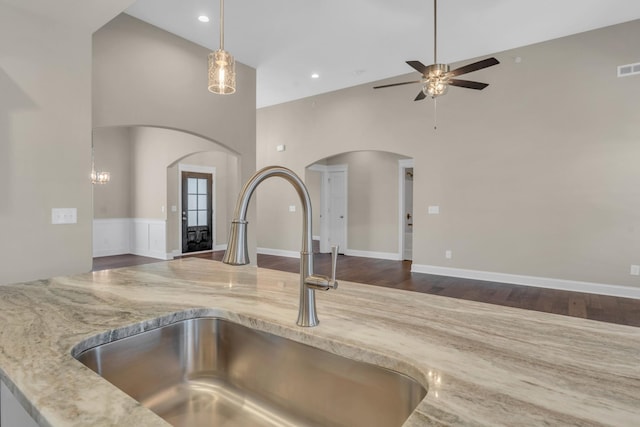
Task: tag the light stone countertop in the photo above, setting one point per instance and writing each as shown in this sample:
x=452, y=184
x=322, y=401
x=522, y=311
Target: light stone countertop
x=482, y=364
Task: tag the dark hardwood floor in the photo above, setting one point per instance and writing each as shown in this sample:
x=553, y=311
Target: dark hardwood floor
x=397, y=274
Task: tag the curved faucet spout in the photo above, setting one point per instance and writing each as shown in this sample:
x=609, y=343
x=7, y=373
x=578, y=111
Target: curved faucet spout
x=237, y=251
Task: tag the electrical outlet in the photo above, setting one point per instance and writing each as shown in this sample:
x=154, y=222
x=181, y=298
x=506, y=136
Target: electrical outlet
x=635, y=270
x=292, y=208
x=448, y=254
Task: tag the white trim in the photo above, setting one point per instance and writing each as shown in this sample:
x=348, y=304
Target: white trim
x=345, y=229
x=183, y=167
x=221, y=247
x=148, y=220
x=540, y=282
x=316, y=237
x=317, y=168
x=324, y=210
x=278, y=252
x=137, y=236
x=149, y=238
x=325, y=246
x=403, y=164
x=377, y=255
x=111, y=236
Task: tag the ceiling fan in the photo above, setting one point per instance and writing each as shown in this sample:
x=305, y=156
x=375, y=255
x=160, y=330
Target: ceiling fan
x=436, y=78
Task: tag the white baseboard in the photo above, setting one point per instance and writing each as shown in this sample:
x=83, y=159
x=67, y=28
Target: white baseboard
x=377, y=255
x=222, y=247
x=348, y=252
x=110, y=252
x=540, y=282
x=152, y=254
x=278, y=252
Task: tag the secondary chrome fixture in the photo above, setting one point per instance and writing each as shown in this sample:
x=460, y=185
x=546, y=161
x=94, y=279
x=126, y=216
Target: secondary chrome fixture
x=237, y=251
x=222, y=66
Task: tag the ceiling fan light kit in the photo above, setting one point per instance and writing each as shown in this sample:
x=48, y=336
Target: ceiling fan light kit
x=436, y=81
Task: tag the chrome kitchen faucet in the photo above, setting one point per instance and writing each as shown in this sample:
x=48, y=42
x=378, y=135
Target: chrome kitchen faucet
x=237, y=252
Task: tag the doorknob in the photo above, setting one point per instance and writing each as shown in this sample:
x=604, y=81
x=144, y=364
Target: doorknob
x=341, y=216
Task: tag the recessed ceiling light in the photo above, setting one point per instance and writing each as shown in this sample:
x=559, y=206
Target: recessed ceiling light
x=315, y=76
x=203, y=18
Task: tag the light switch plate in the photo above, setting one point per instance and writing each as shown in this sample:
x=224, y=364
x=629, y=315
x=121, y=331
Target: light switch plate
x=64, y=215
x=292, y=208
x=635, y=270
x=434, y=210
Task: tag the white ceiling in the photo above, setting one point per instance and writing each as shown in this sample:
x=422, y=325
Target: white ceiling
x=350, y=42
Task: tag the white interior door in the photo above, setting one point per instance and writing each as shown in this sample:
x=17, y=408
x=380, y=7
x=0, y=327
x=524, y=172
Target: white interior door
x=337, y=209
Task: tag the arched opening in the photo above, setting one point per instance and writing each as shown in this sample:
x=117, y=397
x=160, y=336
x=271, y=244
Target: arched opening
x=139, y=211
x=359, y=200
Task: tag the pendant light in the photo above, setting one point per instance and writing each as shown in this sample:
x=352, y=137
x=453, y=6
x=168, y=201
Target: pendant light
x=222, y=66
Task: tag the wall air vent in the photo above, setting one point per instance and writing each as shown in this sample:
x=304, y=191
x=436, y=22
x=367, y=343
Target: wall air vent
x=628, y=70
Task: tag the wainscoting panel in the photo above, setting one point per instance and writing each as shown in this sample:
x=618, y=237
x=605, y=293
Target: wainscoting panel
x=138, y=236
x=111, y=236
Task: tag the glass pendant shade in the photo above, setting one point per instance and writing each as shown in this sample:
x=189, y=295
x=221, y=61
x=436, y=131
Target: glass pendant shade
x=222, y=72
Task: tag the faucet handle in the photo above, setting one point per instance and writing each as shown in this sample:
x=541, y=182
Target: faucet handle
x=334, y=265
x=321, y=282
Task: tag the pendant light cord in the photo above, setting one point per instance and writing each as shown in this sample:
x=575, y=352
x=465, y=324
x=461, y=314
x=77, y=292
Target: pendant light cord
x=221, y=24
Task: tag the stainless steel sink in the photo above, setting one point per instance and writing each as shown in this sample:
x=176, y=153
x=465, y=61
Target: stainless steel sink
x=213, y=372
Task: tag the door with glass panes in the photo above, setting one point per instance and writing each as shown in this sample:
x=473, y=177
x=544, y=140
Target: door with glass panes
x=197, y=212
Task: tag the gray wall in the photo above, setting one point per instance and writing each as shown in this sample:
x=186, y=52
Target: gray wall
x=536, y=175
x=143, y=162
x=141, y=75
x=226, y=183
x=45, y=136
x=372, y=182
x=149, y=79
x=112, y=148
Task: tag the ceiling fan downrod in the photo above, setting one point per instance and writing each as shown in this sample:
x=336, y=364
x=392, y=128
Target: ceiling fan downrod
x=435, y=32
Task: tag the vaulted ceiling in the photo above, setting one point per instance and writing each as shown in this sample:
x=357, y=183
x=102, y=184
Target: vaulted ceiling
x=358, y=41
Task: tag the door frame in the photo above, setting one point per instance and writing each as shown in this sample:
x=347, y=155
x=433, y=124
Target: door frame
x=403, y=165
x=325, y=246
x=182, y=167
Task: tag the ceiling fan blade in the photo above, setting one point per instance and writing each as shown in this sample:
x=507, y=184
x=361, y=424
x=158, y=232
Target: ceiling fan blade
x=396, y=84
x=418, y=66
x=420, y=96
x=468, y=84
x=489, y=62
